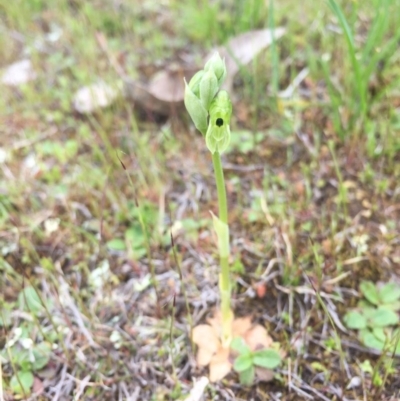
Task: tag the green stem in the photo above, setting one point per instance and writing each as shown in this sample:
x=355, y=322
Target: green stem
x=224, y=278
x=220, y=181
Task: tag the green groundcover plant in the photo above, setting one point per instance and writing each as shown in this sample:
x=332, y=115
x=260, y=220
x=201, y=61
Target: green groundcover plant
x=25, y=355
x=247, y=360
x=377, y=317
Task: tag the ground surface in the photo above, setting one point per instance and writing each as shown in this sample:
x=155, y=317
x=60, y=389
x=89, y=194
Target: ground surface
x=92, y=295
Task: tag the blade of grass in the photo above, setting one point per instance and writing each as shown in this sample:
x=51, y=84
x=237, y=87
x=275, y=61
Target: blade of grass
x=360, y=85
x=274, y=51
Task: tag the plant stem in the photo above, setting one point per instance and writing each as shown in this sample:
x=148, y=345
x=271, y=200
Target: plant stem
x=224, y=278
x=220, y=181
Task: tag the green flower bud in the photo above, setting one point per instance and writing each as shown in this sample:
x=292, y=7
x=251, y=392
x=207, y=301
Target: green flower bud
x=217, y=66
x=208, y=88
x=194, y=83
x=195, y=109
x=218, y=133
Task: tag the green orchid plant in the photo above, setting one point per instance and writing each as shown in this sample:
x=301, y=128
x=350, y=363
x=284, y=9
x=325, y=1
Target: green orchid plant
x=210, y=109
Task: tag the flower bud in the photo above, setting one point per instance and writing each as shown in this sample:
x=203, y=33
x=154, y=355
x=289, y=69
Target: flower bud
x=195, y=109
x=217, y=66
x=194, y=83
x=208, y=88
x=218, y=133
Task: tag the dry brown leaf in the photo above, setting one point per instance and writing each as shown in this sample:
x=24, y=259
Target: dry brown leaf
x=38, y=386
x=215, y=321
x=257, y=338
x=205, y=337
x=220, y=365
x=240, y=326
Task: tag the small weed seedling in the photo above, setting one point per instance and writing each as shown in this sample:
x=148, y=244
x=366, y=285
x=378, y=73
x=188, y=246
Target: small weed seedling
x=247, y=360
x=376, y=316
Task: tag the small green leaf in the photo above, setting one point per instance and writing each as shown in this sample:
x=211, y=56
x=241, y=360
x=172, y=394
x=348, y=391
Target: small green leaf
x=21, y=357
x=370, y=292
x=368, y=311
x=246, y=377
x=135, y=237
x=355, y=320
x=116, y=244
x=41, y=354
x=243, y=362
x=366, y=366
x=380, y=334
x=370, y=341
x=21, y=383
x=267, y=358
x=389, y=293
x=29, y=300
x=239, y=345
x=383, y=317
x=392, y=306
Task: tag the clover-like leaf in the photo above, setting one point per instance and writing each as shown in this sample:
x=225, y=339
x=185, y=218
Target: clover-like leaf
x=246, y=377
x=380, y=334
x=21, y=383
x=238, y=344
x=383, y=317
x=371, y=341
x=389, y=293
x=395, y=306
x=355, y=320
x=41, y=354
x=243, y=362
x=267, y=358
x=369, y=290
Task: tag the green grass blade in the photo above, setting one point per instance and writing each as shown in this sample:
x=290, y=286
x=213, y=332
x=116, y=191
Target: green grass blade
x=360, y=84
